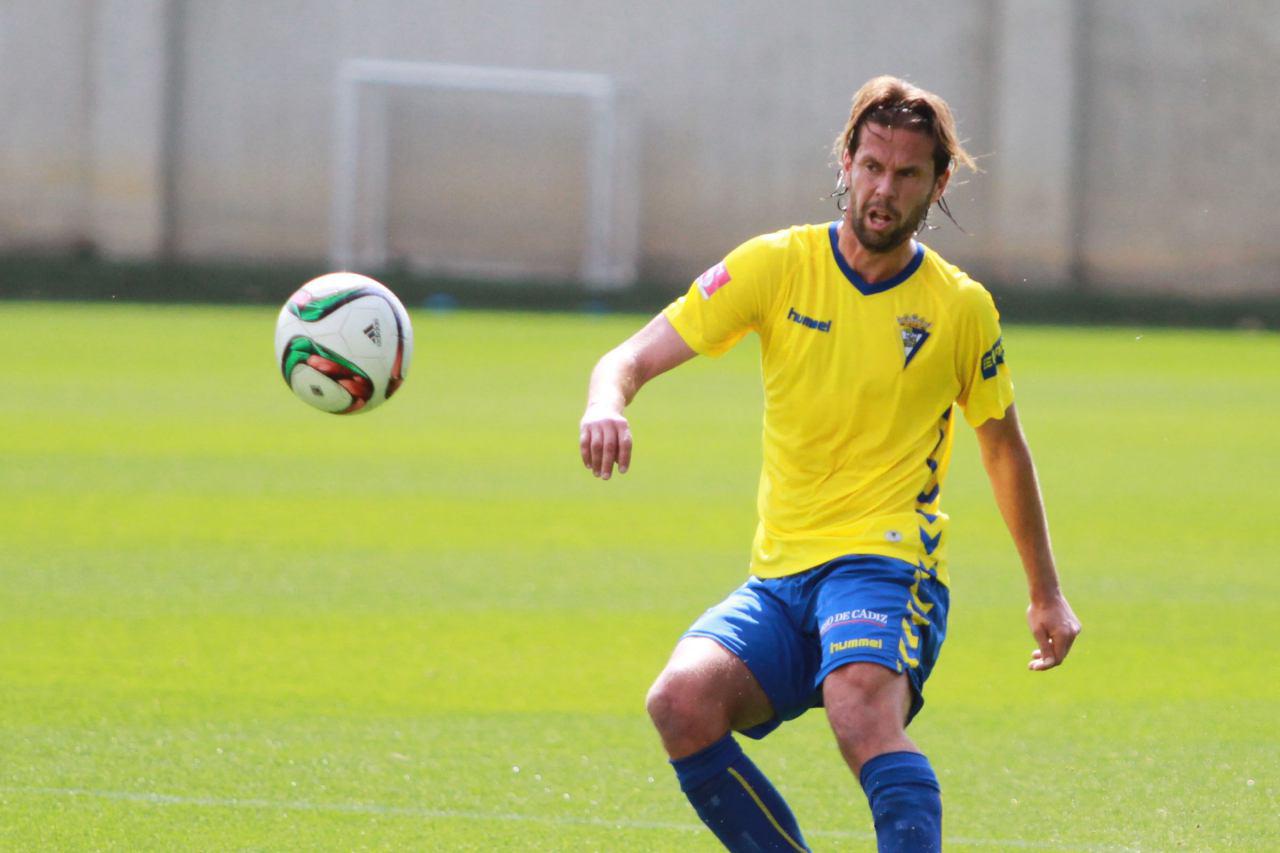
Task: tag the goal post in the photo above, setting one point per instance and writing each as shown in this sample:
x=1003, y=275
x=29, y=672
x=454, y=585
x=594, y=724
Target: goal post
x=608, y=260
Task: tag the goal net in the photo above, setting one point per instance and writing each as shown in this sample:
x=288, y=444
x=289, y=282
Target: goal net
x=484, y=172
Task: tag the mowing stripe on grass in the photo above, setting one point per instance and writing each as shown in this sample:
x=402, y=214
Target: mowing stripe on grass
x=157, y=799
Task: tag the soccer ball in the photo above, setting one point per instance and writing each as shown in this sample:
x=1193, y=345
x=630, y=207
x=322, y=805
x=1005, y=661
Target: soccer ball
x=343, y=343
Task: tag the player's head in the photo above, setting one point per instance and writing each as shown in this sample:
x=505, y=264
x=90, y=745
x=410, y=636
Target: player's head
x=909, y=132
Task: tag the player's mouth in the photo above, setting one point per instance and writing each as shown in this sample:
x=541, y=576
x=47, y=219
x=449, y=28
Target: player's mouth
x=879, y=219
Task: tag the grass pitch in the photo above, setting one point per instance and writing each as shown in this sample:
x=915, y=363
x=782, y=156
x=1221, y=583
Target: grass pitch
x=231, y=622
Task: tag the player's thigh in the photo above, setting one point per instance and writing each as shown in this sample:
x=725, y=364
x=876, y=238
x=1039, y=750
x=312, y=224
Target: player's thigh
x=877, y=610
x=865, y=695
x=702, y=677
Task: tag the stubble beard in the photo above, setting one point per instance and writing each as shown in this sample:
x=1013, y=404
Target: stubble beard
x=889, y=240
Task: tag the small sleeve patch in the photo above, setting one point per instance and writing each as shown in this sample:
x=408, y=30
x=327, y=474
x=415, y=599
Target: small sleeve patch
x=992, y=359
x=712, y=280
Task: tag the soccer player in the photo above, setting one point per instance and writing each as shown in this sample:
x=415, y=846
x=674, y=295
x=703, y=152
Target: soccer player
x=869, y=341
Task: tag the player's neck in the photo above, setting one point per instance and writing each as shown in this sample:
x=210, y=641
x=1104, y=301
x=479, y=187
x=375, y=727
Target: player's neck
x=873, y=267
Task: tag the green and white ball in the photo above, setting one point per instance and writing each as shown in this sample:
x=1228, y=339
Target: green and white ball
x=343, y=343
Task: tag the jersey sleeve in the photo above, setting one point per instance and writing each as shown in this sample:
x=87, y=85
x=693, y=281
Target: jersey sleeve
x=986, y=388
x=731, y=298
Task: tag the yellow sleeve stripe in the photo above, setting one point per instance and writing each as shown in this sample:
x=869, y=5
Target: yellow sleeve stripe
x=751, y=793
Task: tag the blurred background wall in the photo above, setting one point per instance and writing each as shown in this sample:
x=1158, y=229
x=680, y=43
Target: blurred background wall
x=1125, y=147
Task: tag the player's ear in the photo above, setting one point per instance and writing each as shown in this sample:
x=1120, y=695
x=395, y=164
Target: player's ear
x=846, y=161
x=940, y=185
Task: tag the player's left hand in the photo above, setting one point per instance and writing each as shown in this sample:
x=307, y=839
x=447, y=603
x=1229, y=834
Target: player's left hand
x=1055, y=628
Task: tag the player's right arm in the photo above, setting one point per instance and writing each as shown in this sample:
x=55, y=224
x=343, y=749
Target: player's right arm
x=604, y=436
x=720, y=308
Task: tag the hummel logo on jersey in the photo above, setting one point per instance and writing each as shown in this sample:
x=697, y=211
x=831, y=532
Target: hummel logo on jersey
x=808, y=322
x=374, y=332
x=915, y=331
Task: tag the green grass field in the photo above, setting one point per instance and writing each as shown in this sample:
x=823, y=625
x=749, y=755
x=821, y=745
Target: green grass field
x=230, y=622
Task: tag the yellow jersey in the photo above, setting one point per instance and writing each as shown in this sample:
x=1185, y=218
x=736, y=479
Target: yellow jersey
x=860, y=382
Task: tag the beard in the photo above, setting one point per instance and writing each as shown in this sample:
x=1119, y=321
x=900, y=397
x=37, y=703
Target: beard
x=887, y=241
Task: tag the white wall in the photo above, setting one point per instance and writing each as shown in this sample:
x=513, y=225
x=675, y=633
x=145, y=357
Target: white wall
x=1182, y=135
x=44, y=134
x=202, y=127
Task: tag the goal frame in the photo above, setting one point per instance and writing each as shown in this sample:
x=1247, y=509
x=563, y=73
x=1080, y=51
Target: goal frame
x=608, y=260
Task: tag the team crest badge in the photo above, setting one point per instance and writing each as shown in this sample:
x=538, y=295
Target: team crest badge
x=915, y=331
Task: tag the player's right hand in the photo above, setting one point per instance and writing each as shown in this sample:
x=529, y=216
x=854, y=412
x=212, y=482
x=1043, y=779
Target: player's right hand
x=604, y=438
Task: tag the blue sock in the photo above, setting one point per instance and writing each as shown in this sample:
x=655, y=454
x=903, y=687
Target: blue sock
x=906, y=802
x=736, y=801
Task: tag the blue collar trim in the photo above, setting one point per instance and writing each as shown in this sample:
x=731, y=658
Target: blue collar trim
x=857, y=281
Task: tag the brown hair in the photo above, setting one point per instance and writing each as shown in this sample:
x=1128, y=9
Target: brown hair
x=895, y=103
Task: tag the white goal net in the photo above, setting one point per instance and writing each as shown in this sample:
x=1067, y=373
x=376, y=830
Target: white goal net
x=601, y=176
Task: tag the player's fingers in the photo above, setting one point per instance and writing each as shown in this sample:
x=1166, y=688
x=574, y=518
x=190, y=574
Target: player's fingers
x=1044, y=657
x=1063, y=639
x=624, y=451
x=609, y=453
x=604, y=449
x=584, y=445
x=595, y=448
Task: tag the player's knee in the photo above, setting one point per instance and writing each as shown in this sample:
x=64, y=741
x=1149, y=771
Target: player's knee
x=677, y=704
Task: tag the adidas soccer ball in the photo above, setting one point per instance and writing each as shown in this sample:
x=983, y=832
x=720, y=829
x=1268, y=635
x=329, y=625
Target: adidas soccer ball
x=343, y=343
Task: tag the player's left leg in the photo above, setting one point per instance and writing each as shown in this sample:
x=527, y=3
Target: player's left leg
x=881, y=623
x=867, y=706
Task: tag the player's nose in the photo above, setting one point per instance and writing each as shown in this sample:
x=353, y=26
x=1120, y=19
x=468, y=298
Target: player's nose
x=885, y=187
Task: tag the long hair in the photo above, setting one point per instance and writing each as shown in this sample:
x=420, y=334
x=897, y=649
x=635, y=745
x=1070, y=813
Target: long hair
x=895, y=103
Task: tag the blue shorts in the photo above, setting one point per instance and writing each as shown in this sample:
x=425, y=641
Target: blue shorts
x=793, y=631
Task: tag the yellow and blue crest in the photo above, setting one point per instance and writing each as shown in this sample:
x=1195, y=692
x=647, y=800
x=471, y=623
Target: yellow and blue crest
x=915, y=331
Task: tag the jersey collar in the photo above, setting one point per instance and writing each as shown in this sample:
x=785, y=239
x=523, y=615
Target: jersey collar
x=857, y=281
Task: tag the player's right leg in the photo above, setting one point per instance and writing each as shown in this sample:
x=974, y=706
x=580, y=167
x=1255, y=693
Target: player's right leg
x=703, y=693
x=706, y=691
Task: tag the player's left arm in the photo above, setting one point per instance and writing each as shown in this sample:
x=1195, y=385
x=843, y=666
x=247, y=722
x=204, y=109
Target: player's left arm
x=1007, y=458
